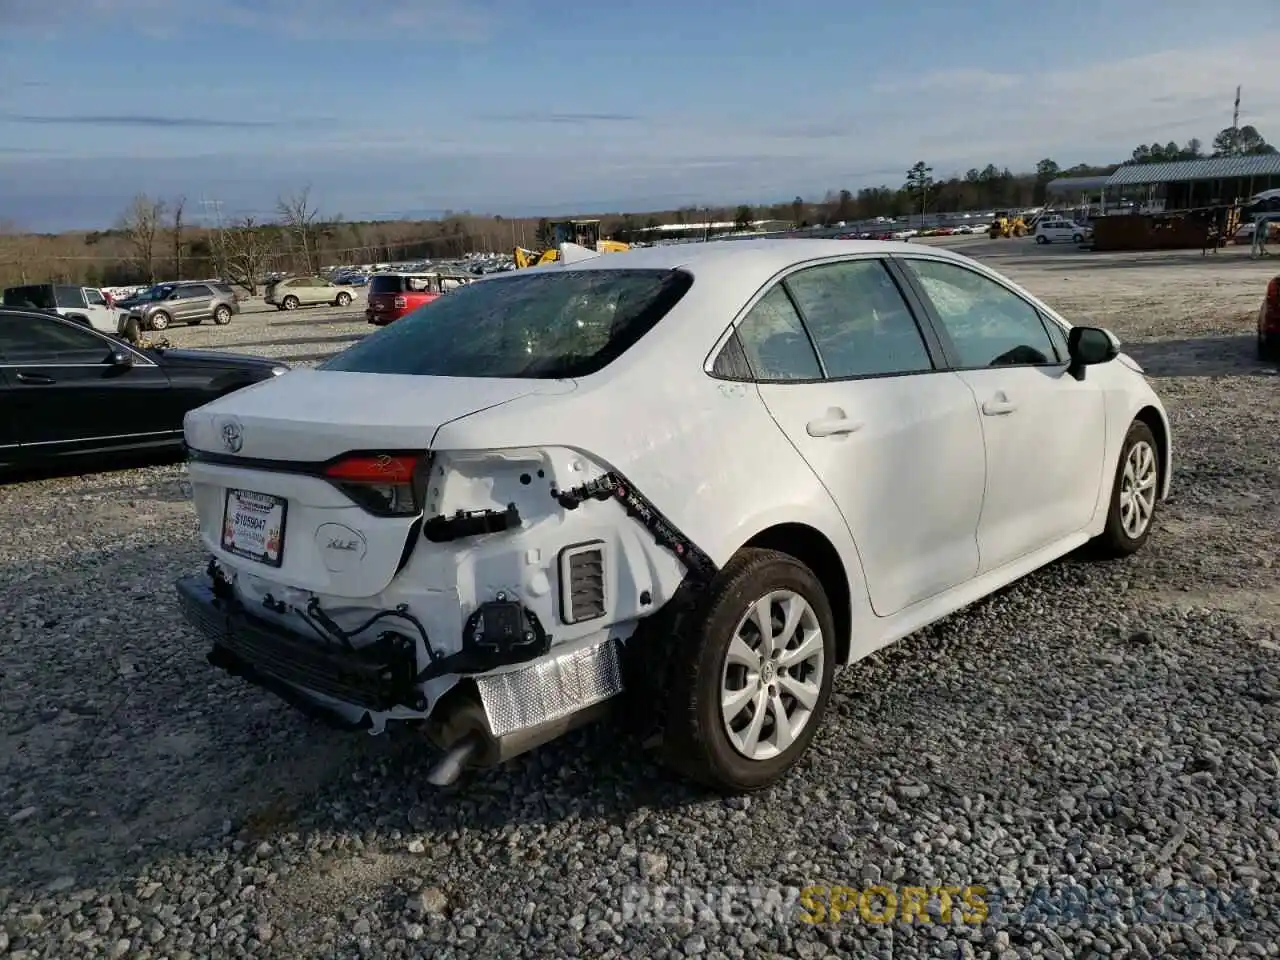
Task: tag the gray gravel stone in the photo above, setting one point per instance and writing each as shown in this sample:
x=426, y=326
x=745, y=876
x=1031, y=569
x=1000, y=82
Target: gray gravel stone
x=1094, y=728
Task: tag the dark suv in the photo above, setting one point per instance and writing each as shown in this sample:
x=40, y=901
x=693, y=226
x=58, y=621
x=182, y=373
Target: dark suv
x=187, y=302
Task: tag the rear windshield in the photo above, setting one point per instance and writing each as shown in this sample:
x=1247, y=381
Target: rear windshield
x=38, y=296
x=385, y=284
x=543, y=324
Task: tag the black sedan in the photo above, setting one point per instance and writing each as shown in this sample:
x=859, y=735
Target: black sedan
x=67, y=390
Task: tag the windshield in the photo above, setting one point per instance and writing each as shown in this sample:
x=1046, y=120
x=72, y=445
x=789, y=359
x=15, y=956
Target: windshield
x=543, y=324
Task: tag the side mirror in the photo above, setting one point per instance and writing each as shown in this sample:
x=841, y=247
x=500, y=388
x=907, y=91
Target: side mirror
x=1088, y=346
x=120, y=358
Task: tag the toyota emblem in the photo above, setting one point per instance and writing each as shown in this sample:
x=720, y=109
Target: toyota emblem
x=232, y=436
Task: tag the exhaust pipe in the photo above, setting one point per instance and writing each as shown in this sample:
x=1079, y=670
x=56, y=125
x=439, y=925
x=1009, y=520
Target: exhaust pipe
x=467, y=740
x=449, y=767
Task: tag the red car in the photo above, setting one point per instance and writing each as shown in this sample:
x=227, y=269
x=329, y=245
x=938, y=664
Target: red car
x=392, y=295
x=1269, y=322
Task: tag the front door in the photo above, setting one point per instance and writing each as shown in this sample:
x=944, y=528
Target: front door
x=1045, y=432
x=844, y=369
x=67, y=393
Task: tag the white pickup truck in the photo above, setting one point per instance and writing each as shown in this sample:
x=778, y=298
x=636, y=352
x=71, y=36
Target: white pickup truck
x=88, y=305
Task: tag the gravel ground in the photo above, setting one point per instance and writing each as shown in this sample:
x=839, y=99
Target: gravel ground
x=1092, y=726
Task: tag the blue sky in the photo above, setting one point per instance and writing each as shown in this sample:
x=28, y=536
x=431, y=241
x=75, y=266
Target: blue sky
x=507, y=106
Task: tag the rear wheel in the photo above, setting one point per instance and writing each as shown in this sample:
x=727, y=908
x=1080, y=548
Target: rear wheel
x=752, y=683
x=289, y=303
x=159, y=320
x=1134, y=495
x=222, y=315
x=1042, y=239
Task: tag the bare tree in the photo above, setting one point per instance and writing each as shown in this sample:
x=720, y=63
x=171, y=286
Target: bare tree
x=302, y=222
x=140, y=225
x=247, y=248
x=178, y=206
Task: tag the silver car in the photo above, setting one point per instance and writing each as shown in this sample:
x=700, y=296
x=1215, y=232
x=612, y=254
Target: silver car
x=189, y=303
x=294, y=292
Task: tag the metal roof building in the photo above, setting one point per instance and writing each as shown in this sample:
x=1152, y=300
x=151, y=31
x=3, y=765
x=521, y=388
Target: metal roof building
x=1188, y=171
x=1194, y=184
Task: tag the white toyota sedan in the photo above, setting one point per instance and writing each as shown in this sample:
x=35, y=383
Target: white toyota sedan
x=698, y=476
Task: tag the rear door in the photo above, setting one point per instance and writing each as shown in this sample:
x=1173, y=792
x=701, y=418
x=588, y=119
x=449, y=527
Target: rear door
x=69, y=396
x=850, y=376
x=194, y=303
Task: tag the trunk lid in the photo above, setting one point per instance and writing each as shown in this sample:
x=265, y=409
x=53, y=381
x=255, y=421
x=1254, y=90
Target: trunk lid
x=322, y=540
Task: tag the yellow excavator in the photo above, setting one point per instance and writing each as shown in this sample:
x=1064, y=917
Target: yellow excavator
x=1004, y=225
x=582, y=233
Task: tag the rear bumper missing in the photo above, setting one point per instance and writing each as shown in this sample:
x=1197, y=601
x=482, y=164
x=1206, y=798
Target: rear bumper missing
x=378, y=677
x=508, y=710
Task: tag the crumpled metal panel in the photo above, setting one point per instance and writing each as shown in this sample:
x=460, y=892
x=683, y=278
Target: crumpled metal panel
x=550, y=689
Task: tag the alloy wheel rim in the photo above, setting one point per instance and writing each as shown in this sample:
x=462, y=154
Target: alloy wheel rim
x=772, y=675
x=1138, y=489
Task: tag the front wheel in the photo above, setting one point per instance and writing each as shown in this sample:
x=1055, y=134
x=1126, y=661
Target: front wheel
x=344, y=299
x=1077, y=238
x=159, y=320
x=1134, y=494
x=753, y=679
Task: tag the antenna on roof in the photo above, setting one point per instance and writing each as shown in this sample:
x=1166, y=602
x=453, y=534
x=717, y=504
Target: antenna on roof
x=1235, y=114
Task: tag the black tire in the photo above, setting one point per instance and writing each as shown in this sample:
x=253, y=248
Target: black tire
x=289, y=303
x=344, y=299
x=159, y=321
x=131, y=330
x=222, y=315
x=1042, y=239
x=1077, y=238
x=1115, y=541
x=695, y=741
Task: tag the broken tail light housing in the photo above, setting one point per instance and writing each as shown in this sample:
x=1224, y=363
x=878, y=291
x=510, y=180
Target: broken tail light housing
x=384, y=484
x=1271, y=308
x=1273, y=294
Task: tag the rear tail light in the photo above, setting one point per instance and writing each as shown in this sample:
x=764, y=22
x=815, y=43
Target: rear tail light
x=401, y=303
x=387, y=485
x=1273, y=294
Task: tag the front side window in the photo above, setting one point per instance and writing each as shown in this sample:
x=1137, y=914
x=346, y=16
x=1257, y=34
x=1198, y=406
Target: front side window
x=859, y=320
x=540, y=325
x=48, y=341
x=989, y=325
x=94, y=297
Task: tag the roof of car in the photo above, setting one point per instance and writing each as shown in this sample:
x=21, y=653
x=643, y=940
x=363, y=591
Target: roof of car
x=759, y=256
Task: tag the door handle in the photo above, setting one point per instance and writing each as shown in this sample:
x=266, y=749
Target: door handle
x=833, y=424
x=35, y=378
x=999, y=406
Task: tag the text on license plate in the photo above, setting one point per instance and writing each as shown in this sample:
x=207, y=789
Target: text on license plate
x=253, y=526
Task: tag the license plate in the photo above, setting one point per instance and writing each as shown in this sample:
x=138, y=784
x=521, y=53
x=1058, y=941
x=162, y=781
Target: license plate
x=253, y=526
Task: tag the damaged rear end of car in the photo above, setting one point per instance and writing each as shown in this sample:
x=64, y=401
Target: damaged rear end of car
x=370, y=564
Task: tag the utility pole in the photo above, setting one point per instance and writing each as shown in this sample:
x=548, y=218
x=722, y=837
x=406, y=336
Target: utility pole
x=1235, y=114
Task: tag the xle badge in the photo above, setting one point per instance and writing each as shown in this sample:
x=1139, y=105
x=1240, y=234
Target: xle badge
x=342, y=548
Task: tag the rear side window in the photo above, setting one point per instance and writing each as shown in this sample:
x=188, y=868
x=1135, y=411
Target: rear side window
x=384, y=284
x=859, y=321
x=775, y=343
x=538, y=325
x=69, y=297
